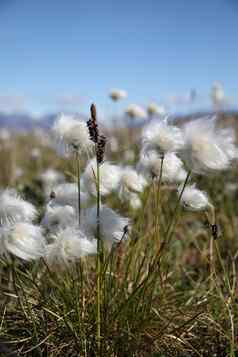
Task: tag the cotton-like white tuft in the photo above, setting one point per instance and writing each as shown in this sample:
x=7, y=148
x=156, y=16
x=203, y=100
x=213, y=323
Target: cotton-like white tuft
x=109, y=177
x=131, y=182
x=24, y=240
x=114, y=145
x=69, y=245
x=134, y=201
x=19, y=172
x=193, y=198
x=155, y=109
x=5, y=134
x=112, y=225
x=217, y=94
x=67, y=194
x=117, y=94
x=209, y=148
x=15, y=209
x=35, y=153
x=172, y=170
x=135, y=111
x=57, y=217
x=129, y=155
x=162, y=137
x=74, y=133
x=50, y=178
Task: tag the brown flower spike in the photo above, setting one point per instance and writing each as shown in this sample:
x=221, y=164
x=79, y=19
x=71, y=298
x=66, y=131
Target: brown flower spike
x=98, y=139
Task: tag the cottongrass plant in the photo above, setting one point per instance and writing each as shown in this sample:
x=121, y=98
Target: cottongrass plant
x=14, y=208
x=147, y=295
x=73, y=132
x=208, y=147
x=117, y=94
x=155, y=110
x=23, y=240
x=135, y=111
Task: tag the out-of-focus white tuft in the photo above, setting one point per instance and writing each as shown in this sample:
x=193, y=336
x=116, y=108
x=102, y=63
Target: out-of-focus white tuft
x=114, y=145
x=217, y=94
x=135, y=111
x=162, y=137
x=131, y=182
x=209, y=148
x=24, y=240
x=35, y=153
x=117, y=94
x=109, y=177
x=155, y=109
x=19, y=172
x=57, y=217
x=50, y=178
x=112, y=225
x=193, y=198
x=74, y=133
x=67, y=194
x=14, y=209
x=69, y=245
x=172, y=170
x=5, y=134
x=134, y=201
x=129, y=155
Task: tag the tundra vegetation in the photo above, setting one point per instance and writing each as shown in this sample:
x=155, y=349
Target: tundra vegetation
x=120, y=242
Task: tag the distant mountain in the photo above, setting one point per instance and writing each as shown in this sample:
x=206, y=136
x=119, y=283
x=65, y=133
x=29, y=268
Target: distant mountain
x=25, y=121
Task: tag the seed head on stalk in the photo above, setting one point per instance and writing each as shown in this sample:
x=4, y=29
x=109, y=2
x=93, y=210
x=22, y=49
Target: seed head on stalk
x=100, y=143
x=98, y=139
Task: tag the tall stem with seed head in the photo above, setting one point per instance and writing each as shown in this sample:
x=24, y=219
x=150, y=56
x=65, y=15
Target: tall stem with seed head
x=98, y=264
x=100, y=142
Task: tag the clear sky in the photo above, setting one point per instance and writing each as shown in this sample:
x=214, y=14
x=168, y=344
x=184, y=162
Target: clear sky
x=57, y=54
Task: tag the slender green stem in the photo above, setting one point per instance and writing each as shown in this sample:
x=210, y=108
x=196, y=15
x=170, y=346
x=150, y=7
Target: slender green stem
x=174, y=221
x=78, y=181
x=175, y=217
x=99, y=267
x=223, y=267
x=158, y=194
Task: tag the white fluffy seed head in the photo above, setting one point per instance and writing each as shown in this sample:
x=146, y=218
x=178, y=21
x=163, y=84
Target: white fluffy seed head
x=24, y=240
x=67, y=194
x=74, y=133
x=193, y=198
x=109, y=178
x=59, y=217
x=207, y=147
x=135, y=111
x=162, y=137
x=129, y=155
x=134, y=200
x=117, y=94
x=131, y=182
x=155, y=109
x=50, y=178
x=35, y=153
x=14, y=209
x=217, y=94
x=68, y=246
x=172, y=170
x=112, y=225
x=114, y=145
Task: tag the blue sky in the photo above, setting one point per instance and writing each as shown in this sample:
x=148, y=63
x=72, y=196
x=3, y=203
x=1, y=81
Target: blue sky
x=53, y=52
